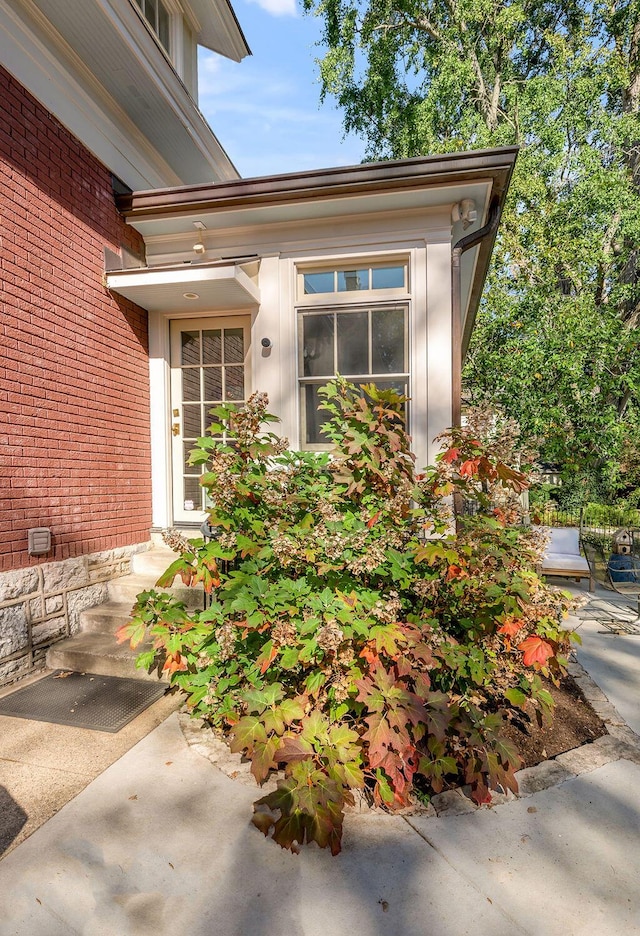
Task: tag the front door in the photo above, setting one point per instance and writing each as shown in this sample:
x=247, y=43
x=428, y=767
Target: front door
x=208, y=367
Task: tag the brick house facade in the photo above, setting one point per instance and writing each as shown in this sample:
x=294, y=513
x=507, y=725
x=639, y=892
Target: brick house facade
x=75, y=389
x=95, y=98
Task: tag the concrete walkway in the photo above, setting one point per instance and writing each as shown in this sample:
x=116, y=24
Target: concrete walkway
x=160, y=843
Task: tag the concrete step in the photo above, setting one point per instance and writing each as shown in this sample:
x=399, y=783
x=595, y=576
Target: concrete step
x=97, y=653
x=153, y=562
x=94, y=649
x=105, y=618
x=127, y=588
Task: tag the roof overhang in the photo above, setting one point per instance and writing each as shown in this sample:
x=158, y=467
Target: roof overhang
x=411, y=185
x=421, y=174
x=197, y=288
x=218, y=28
x=97, y=67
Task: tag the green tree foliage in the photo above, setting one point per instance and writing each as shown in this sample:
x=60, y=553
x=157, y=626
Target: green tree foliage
x=353, y=641
x=557, y=337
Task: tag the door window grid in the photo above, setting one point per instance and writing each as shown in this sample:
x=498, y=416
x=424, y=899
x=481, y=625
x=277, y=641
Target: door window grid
x=363, y=345
x=212, y=372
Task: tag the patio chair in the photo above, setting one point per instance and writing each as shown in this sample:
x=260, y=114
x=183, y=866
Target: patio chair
x=563, y=558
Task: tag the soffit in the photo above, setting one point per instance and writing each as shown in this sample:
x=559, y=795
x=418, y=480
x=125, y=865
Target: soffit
x=421, y=183
x=322, y=209
x=108, y=47
x=219, y=30
x=208, y=286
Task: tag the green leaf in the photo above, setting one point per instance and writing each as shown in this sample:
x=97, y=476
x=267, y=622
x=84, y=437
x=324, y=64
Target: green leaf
x=176, y=568
x=289, y=658
x=516, y=697
x=249, y=731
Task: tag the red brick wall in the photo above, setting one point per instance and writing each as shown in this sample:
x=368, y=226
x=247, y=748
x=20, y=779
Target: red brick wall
x=74, y=393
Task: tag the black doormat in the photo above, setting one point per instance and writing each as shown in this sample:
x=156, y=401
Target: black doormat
x=82, y=700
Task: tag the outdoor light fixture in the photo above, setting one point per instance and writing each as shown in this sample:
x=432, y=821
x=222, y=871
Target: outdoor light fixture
x=199, y=247
x=465, y=211
x=191, y=295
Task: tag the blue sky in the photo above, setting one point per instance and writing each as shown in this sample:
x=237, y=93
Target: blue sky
x=266, y=109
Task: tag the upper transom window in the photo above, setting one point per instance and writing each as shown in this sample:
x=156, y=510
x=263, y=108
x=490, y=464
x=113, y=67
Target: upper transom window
x=359, y=278
x=157, y=16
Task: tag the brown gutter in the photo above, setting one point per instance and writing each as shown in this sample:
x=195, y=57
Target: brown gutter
x=487, y=233
x=496, y=164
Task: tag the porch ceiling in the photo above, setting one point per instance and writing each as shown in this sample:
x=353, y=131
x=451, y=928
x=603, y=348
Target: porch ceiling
x=197, y=288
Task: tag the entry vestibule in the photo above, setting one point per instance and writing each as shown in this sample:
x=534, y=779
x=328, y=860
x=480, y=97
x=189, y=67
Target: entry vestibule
x=304, y=276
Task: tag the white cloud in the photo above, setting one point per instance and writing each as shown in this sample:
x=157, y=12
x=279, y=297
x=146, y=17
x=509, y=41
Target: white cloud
x=278, y=7
x=266, y=114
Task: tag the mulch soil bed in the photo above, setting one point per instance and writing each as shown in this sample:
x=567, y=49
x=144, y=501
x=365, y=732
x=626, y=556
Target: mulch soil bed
x=574, y=723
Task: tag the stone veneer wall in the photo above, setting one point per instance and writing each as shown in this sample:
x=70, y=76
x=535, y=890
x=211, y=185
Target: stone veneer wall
x=42, y=604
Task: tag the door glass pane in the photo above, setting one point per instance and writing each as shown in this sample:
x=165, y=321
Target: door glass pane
x=190, y=348
x=234, y=383
x=318, y=283
x=315, y=418
x=213, y=384
x=387, y=341
x=350, y=280
x=233, y=346
x=387, y=277
x=191, y=421
x=191, y=384
x=212, y=347
x=317, y=346
x=353, y=343
x=192, y=493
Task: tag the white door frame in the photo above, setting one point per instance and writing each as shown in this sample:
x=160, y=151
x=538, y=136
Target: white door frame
x=160, y=406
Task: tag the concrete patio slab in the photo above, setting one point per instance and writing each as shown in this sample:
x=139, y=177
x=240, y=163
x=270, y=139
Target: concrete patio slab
x=161, y=844
x=563, y=861
x=43, y=766
x=613, y=662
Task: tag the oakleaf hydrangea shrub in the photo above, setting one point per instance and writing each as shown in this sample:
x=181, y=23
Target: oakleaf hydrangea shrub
x=359, y=635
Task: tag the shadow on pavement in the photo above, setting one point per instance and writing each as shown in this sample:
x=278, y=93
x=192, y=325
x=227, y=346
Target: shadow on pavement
x=13, y=819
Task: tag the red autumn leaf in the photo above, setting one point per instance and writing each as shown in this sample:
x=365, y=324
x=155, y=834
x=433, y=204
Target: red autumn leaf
x=469, y=468
x=536, y=651
x=510, y=628
x=174, y=663
x=267, y=656
x=456, y=572
x=374, y=519
x=369, y=654
x=450, y=455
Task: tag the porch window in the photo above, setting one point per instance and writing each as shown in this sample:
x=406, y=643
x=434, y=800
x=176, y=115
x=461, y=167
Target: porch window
x=359, y=278
x=365, y=345
x=157, y=16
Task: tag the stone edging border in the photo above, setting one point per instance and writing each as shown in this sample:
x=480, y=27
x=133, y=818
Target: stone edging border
x=621, y=743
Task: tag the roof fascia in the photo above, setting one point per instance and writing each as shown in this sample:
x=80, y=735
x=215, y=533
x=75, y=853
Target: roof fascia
x=420, y=172
x=218, y=28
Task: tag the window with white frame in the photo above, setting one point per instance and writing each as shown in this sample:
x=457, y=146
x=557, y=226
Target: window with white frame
x=159, y=19
x=363, y=337
x=359, y=278
x=365, y=345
